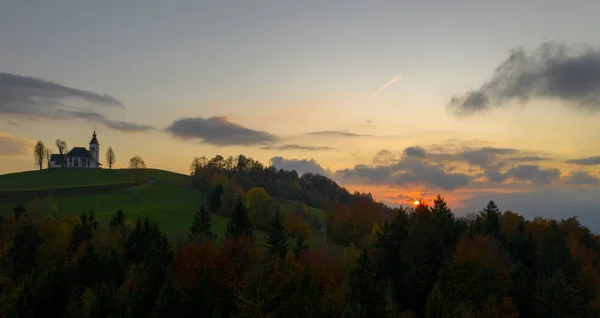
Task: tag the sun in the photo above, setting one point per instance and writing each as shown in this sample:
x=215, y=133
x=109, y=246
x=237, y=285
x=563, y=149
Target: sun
x=416, y=202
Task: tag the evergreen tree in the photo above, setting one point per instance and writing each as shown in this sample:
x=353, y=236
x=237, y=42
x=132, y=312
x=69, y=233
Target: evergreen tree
x=437, y=306
x=83, y=230
x=215, y=199
x=492, y=216
x=300, y=247
x=18, y=210
x=201, y=228
x=24, y=250
x=307, y=302
x=277, y=236
x=367, y=289
x=117, y=220
x=240, y=224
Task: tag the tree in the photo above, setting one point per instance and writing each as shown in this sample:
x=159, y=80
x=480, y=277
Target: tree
x=277, y=237
x=240, y=224
x=366, y=289
x=117, y=220
x=111, y=158
x=215, y=199
x=39, y=151
x=18, y=210
x=48, y=155
x=201, y=228
x=136, y=162
x=61, y=145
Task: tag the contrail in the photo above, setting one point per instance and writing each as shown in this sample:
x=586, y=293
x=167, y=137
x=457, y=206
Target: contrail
x=388, y=84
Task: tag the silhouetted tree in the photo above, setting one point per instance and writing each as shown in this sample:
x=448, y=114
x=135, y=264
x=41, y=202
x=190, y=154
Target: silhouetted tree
x=240, y=224
x=39, y=152
x=277, y=236
x=117, y=220
x=18, y=210
x=215, y=199
x=136, y=162
x=201, y=228
x=61, y=145
x=110, y=157
x=47, y=155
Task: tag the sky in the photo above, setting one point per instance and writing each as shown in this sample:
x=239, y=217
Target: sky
x=473, y=100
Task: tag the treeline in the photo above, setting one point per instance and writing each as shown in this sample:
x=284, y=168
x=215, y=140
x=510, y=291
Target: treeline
x=244, y=173
x=425, y=262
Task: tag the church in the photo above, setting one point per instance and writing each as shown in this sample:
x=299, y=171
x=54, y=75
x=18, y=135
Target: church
x=79, y=157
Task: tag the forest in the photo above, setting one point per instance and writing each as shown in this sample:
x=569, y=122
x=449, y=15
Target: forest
x=423, y=261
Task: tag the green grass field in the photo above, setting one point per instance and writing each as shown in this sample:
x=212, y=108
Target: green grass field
x=169, y=200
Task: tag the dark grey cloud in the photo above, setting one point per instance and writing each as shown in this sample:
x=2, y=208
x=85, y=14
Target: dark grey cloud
x=11, y=146
x=416, y=151
x=589, y=161
x=113, y=124
x=300, y=165
x=298, y=147
x=552, y=71
x=412, y=170
x=218, y=131
x=30, y=95
x=581, y=178
x=335, y=133
x=365, y=174
x=34, y=97
x=525, y=173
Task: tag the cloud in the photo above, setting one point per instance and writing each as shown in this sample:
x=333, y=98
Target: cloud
x=589, y=161
x=552, y=71
x=38, y=98
x=218, y=131
x=12, y=123
x=383, y=156
x=113, y=124
x=299, y=165
x=11, y=146
x=333, y=133
x=412, y=170
x=527, y=159
x=525, y=173
x=365, y=174
x=581, y=178
x=386, y=85
x=415, y=151
x=297, y=147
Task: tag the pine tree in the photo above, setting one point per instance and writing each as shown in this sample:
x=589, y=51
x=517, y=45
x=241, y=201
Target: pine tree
x=307, y=302
x=117, y=220
x=201, y=228
x=366, y=288
x=215, y=199
x=18, y=210
x=300, y=247
x=492, y=216
x=277, y=236
x=240, y=224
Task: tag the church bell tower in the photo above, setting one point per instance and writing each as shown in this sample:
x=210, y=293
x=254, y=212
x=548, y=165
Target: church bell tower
x=95, y=150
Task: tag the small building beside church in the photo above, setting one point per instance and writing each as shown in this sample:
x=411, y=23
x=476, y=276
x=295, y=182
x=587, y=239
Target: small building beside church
x=79, y=157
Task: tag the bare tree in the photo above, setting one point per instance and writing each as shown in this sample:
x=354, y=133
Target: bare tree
x=48, y=154
x=136, y=162
x=110, y=157
x=39, y=151
x=62, y=146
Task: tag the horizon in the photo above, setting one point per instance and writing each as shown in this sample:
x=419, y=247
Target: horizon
x=407, y=104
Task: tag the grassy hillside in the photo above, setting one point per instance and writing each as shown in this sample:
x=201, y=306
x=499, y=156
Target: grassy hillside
x=62, y=178
x=167, y=199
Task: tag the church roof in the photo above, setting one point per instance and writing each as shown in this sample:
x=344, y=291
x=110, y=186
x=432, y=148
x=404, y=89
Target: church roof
x=94, y=141
x=57, y=159
x=79, y=152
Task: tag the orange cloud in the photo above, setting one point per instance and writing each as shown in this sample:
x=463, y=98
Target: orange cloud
x=11, y=146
